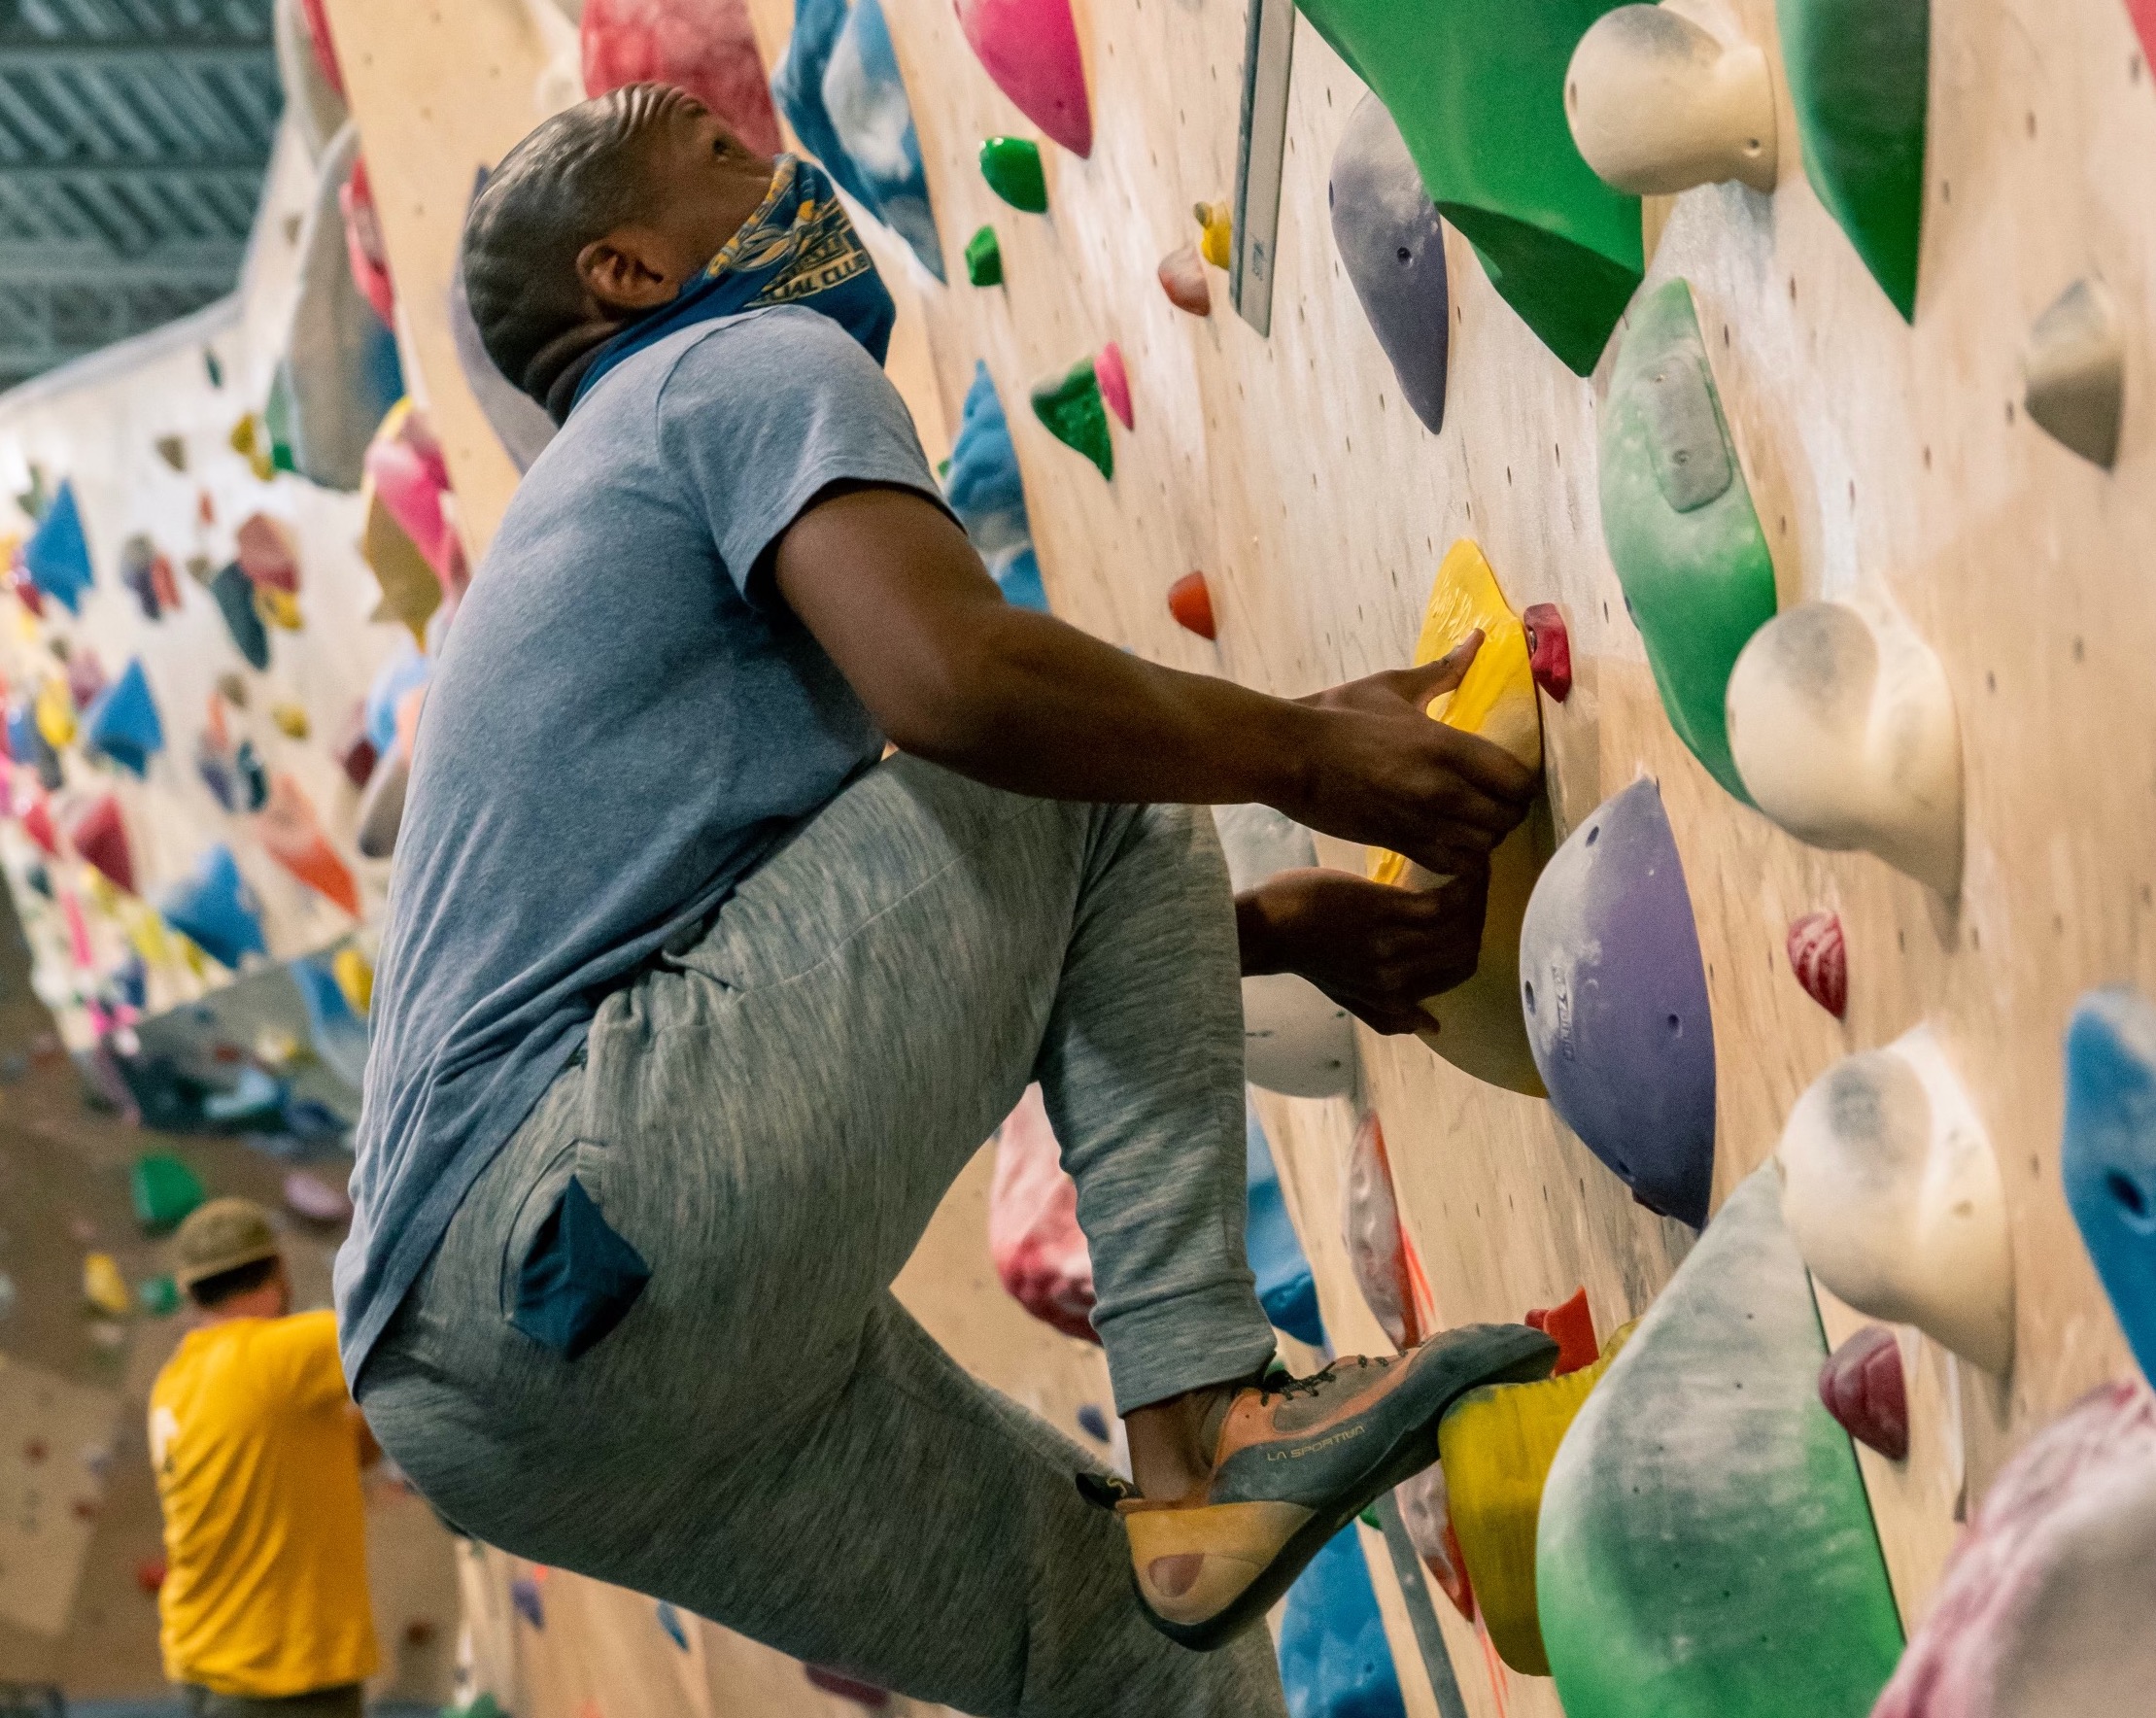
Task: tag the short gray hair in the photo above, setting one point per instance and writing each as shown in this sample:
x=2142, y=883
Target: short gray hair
x=574, y=180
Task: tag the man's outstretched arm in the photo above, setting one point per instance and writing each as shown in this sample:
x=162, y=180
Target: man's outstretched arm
x=894, y=591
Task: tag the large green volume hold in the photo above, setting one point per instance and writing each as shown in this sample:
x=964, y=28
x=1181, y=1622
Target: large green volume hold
x=1679, y=523
x=1860, y=77
x=1706, y=1548
x=1476, y=87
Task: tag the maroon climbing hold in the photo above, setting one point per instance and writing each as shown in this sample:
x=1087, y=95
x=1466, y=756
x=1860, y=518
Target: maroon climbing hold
x=355, y=749
x=150, y=1574
x=101, y=839
x=1114, y=383
x=1182, y=278
x=1819, y=957
x=1190, y=602
x=1863, y=1388
x=1548, y=650
x=838, y=1682
x=1571, y=1326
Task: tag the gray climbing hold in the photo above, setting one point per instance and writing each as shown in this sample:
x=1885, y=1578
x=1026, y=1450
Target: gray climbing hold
x=2076, y=372
x=1393, y=247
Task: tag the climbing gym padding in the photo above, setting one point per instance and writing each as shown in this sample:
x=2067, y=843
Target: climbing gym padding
x=1776, y=374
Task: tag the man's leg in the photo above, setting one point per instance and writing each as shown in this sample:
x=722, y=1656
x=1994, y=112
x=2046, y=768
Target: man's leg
x=771, y=1119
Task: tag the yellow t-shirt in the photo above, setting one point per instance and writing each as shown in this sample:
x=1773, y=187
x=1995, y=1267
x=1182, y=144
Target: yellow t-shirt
x=258, y=1461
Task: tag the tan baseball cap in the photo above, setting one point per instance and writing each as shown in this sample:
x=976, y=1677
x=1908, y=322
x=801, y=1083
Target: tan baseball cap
x=221, y=1236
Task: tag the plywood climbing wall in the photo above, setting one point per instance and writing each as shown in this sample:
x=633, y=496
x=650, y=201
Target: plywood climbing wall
x=1883, y=458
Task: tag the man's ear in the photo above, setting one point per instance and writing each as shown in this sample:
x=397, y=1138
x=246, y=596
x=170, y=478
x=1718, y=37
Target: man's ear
x=623, y=273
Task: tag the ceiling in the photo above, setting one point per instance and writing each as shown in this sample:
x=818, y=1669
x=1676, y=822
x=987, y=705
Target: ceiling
x=135, y=137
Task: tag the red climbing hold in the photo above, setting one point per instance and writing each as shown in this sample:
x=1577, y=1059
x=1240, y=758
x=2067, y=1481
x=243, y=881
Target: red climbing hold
x=101, y=839
x=37, y=824
x=1182, y=278
x=1819, y=957
x=1190, y=602
x=2143, y=15
x=1114, y=383
x=150, y=1574
x=705, y=47
x=1571, y=1326
x=1548, y=650
x=1863, y=1388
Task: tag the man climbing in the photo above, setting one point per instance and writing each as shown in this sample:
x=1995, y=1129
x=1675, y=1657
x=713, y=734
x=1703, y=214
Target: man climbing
x=258, y=1450
x=690, y=1010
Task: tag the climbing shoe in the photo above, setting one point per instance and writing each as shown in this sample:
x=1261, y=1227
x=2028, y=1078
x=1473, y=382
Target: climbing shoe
x=1297, y=1460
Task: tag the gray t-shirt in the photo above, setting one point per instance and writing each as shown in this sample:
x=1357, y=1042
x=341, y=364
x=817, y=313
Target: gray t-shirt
x=623, y=724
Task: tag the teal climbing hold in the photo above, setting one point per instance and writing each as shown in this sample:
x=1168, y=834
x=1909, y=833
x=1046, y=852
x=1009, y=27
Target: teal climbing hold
x=1072, y=407
x=1860, y=77
x=1011, y=165
x=56, y=555
x=1479, y=95
x=2108, y=1158
x=234, y=594
x=1680, y=525
x=984, y=258
x=122, y=722
x=164, y=1190
x=1335, y=1661
x=1706, y=1548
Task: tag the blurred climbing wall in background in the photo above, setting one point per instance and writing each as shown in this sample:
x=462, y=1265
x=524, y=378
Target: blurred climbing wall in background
x=1886, y=459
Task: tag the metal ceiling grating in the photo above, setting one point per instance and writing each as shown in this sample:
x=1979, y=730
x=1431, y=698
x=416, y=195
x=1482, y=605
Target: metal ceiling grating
x=135, y=138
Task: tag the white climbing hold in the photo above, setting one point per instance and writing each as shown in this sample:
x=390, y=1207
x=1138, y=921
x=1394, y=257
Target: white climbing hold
x=1296, y=1040
x=1844, y=728
x=1890, y=1186
x=1659, y=102
x=2076, y=369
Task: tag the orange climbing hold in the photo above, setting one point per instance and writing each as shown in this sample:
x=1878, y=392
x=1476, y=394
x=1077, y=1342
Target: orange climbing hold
x=291, y=835
x=1571, y=1326
x=1190, y=602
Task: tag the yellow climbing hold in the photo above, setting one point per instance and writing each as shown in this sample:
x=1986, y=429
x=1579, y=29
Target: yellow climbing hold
x=104, y=1287
x=1477, y=1026
x=251, y=441
x=98, y=890
x=145, y=932
x=355, y=976
x=1217, y=242
x=291, y=720
x=1497, y=1445
x=56, y=713
x=279, y=608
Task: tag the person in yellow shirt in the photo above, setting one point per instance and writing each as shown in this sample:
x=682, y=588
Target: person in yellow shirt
x=259, y=1450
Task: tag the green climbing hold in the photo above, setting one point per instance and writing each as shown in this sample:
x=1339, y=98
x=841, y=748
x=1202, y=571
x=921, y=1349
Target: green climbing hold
x=159, y=1296
x=1071, y=408
x=1680, y=525
x=165, y=1189
x=1479, y=96
x=1706, y=1548
x=1011, y=165
x=1860, y=77
x=984, y=258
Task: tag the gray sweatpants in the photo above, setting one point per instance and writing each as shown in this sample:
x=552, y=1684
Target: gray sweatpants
x=770, y=1116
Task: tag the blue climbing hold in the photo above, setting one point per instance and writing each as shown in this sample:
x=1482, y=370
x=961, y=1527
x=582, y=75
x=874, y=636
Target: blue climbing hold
x=2108, y=1159
x=28, y=746
x=57, y=555
x=340, y=1036
x=122, y=722
x=1092, y=1422
x=524, y=1595
x=254, y=1099
x=1286, y=1287
x=216, y=909
x=798, y=87
x=1615, y=1000
x=395, y=677
x=670, y=1620
x=985, y=491
x=866, y=99
x=1335, y=1661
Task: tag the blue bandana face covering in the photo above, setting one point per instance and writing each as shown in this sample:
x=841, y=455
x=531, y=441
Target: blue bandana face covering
x=799, y=247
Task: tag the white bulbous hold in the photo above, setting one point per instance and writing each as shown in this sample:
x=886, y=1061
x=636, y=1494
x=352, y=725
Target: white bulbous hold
x=1890, y=1186
x=1659, y=104
x=1844, y=728
x=1296, y=1040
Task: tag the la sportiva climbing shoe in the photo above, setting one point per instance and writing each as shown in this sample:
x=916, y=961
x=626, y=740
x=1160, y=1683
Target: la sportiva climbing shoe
x=1297, y=1460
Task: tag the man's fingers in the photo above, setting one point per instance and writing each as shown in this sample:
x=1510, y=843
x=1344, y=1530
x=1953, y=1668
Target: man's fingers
x=1487, y=767
x=1433, y=677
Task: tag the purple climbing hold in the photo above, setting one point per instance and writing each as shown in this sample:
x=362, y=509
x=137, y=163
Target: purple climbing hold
x=1393, y=245
x=524, y=1594
x=1615, y=1000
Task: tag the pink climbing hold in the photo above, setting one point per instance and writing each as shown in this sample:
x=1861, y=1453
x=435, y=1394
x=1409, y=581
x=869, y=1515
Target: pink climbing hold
x=1114, y=383
x=2143, y=15
x=1030, y=51
x=411, y=480
x=267, y=553
x=1819, y=957
x=705, y=47
x=2045, y=1604
x=1039, y=1253
x=1548, y=650
x=1426, y=1512
x=1190, y=602
x=1377, y=1249
x=315, y=16
x=311, y=1197
x=1182, y=278
x=364, y=245
x=1866, y=1391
